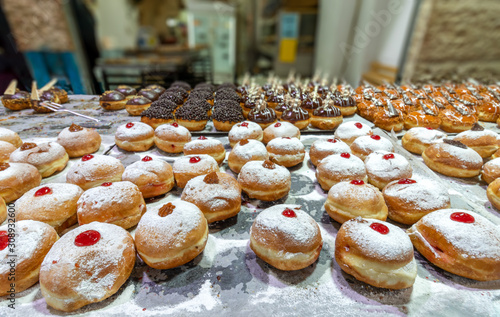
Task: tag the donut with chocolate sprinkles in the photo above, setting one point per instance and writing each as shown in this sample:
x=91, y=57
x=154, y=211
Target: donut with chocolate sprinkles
x=157, y=115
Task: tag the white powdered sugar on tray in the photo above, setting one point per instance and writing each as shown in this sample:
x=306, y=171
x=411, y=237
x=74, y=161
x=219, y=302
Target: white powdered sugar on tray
x=202, y=144
x=206, y=163
x=214, y=195
x=367, y=143
x=427, y=136
x=253, y=171
x=423, y=195
x=149, y=169
x=349, y=129
x=248, y=150
x=286, y=145
x=391, y=168
x=463, y=155
x=43, y=153
x=61, y=194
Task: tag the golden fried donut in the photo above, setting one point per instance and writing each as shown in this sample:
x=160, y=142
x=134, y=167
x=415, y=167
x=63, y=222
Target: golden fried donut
x=79, y=141
x=112, y=100
x=367, y=144
x=10, y=136
x=491, y=170
x=18, y=101
x=324, y=147
x=245, y=130
x=16, y=179
x=416, y=140
x=245, y=151
x=265, y=180
x=171, y=138
x=327, y=117
x=453, y=121
x=336, y=168
x=421, y=119
x=136, y=105
x=171, y=234
x=154, y=177
x=134, y=137
x=286, y=237
x=286, y=151
x=3, y=210
x=484, y=142
x=202, y=145
x=383, y=167
x=93, y=170
x=48, y=158
x=459, y=241
x=493, y=193
x=280, y=129
x=6, y=150
x=388, y=122
x=349, y=131
x=190, y=166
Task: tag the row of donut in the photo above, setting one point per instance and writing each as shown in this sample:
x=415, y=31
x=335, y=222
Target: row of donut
x=20, y=99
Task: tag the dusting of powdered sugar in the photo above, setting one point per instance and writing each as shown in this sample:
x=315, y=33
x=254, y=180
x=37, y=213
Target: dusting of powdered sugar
x=284, y=129
x=285, y=145
x=474, y=135
x=425, y=194
x=253, y=171
x=336, y=164
x=200, y=145
x=349, y=130
x=217, y=196
x=426, y=136
x=367, y=144
x=207, y=163
x=462, y=155
x=104, y=197
x=250, y=149
x=150, y=169
x=43, y=153
x=87, y=169
x=393, y=168
x=61, y=194
x=166, y=130
x=239, y=132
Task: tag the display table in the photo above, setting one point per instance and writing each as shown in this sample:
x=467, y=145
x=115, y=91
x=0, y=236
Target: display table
x=227, y=279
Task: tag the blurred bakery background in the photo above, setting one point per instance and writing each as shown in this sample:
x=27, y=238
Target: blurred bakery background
x=94, y=45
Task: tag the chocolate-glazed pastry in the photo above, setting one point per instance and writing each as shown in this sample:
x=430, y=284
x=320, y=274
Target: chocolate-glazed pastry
x=47, y=95
x=112, y=100
x=178, y=90
x=345, y=103
x=192, y=117
x=149, y=93
x=201, y=103
x=17, y=101
x=136, y=105
x=173, y=96
x=61, y=94
x=275, y=99
x=202, y=94
x=156, y=116
x=296, y=115
x=225, y=116
x=205, y=86
x=250, y=103
x=282, y=105
x=226, y=95
x=312, y=102
x=262, y=115
x=326, y=117
x=182, y=84
x=165, y=103
x=156, y=88
x=126, y=90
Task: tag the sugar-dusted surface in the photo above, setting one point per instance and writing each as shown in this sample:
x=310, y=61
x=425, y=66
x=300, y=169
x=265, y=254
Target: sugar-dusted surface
x=134, y=130
x=282, y=129
x=367, y=143
x=391, y=168
x=248, y=150
x=349, y=130
x=423, y=195
x=254, y=172
x=215, y=196
x=285, y=145
x=427, y=136
x=184, y=164
x=43, y=153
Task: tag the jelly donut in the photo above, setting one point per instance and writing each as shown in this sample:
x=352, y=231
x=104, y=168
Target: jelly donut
x=367, y=144
x=493, y=193
x=453, y=158
x=376, y=252
x=265, y=180
x=3, y=210
x=53, y=204
x=134, y=137
x=10, y=136
x=336, y=168
x=349, y=131
x=112, y=100
x=93, y=170
x=202, y=145
x=48, y=158
x=79, y=141
x=484, y=142
x=6, y=150
x=491, y=170
x=286, y=151
x=218, y=195
x=16, y=179
x=87, y=265
x=416, y=140
x=245, y=130
x=351, y=199
x=409, y=200
x=383, y=167
x=280, y=129
x=459, y=241
x=286, y=237
x=190, y=166
x=322, y=148
x=32, y=241
x=171, y=235
x=154, y=177
x=171, y=138
x=119, y=203
x=246, y=151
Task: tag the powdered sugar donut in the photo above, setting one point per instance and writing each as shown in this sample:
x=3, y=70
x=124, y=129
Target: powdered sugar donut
x=154, y=177
x=53, y=204
x=286, y=237
x=376, y=252
x=322, y=148
x=351, y=199
x=367, y=144
x=493, y=193
x=245, y=151
x=190, y=166
x=484, y=142
x=3, y=210
x=280, y=129
x=93, y=170
x=245, y=130
x=32, y=240
x=340, y=167
x=16, y=179
x=10, y=136
x=171, y=234
x=171, y=138
x=459, y=241
x=87, y=265
x=79, y=141
x=6, y=149
x=134, y=137
x=265, y=180
x=202, y=145
x=349, y=131
x=409, y=200
x=416, y=140
x=491, y=170
x=286, y=151
x=48, y=158
x=383, y=167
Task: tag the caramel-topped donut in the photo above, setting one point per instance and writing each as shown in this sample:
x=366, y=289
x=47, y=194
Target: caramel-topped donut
x=87, y=265
x=453, y=121
x=416, y=140
x=154, y=177
x=134, y=137
x=484, y=142
x=265, y=180
x=367, y=144
x=286, y=151
x=48, y=158
x=459, y=241
x=203, y=145
x=245, y=151
x=16, y=179
x=10, y=136
x=190, y=166
x=340, y=167
x=280, y=129
x=245, y=130
x=93, y=170
x=349, y=131
x=383, y=167
x=79, y=141
x=322, y=148
x=171, y=138
x=53, y=204
x=421, y=119
x=286, y=237
x=6, y=150
x=376, y=252
x=32, y=241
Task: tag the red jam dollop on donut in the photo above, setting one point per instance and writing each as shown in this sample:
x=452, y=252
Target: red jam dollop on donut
x=4, y=240
x=244, y=124
x=345, y=155
x=289, y=213
x=462, y=217
x=202, y=138
x=87, y=238
x=332, y=140
x=194, y=159
x=106, y=184
x=129, y=125
x=357, y=182
x=406, y=181
x=358, y=125
x=380, y=228
x=388, y=156
x=375, y=137
x=147, y=158
x=175, y=124
x=43, y=191
x=277, y=125
x=87, y=157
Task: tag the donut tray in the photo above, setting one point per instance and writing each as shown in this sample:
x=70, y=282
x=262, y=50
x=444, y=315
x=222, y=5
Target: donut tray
x=227, y=279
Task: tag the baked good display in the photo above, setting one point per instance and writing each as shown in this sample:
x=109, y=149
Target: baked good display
x=136, y=105
x=491, y=170
x=171, y=138
x=10, y=136
x=350, y=199
x=493, y=193
x=345, y=102
x=3, y=210
x=409, y=200
x=286, y=237
x=32, y=241
x=383, y=167
x=151, y=94
x=171, y=235
x=19, y=100
x=459, y=241
x=79, y=141
x=92, y=170
x=453, y=158
x=484, y=142
x=416, y=140
x=225, y=117
x=158, y=114
x=190, y=166
x=119, y=203
x=112, y=100
x=134, y=137
x=126, y=90
x=246, y=151
x=336, y=168
x=367, y=144
x=48, y=157
x=262, y=115
x=53, y=204
x=326, y=117
x=45, y=96
x=324, y=147
x=202, y=145
x=280, y=129
x=194, y=118
x=296, y=115
x=376, y=252
x=16, y=179
x=218, y=195
x=87, y=265
x=6, y=149
x=265, y=180
x=349, y=131
x=245, y=130
x=154, y=177
x=286, y=151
